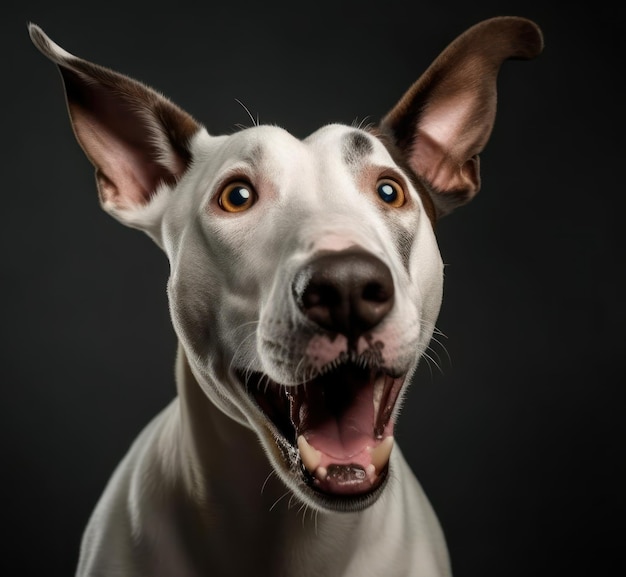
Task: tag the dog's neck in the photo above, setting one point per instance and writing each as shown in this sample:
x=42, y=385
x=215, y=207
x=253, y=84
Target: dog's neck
x=218, y=452
x=228, y=481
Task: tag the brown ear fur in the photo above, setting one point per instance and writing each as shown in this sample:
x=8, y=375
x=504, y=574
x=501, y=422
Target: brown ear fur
x=135, y=138
x=445, y=118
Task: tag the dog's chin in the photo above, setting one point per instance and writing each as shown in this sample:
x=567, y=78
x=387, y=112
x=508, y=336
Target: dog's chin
x=334, y=432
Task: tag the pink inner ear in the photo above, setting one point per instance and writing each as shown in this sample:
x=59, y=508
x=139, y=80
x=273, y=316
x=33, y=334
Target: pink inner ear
x=442, y=172
x=451, y=131
x=127, y=177
x=136, y=138
x=120, y=165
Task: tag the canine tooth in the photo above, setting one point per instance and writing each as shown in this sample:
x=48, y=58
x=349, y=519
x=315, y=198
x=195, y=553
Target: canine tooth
x=321, y=473
x=379, y=388
x=310, y=456
x=370, y=471
x=380, y=455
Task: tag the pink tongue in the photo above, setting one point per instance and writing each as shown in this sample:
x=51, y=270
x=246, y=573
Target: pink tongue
x=337, y=442
x=341, y=433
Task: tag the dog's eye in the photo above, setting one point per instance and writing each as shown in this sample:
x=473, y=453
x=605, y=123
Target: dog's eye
x=390, y=192
x=236, y=197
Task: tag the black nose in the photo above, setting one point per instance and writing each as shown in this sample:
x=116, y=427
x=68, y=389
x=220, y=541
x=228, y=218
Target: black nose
x=348, y=291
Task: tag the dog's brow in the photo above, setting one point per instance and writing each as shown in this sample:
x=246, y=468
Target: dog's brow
x=356, y=147
x=254, y=155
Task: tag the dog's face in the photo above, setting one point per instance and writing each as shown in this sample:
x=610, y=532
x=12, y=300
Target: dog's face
x=305, y=276
x=305, y=284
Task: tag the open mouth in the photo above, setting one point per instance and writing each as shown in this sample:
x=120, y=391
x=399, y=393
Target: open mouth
x=335, y=430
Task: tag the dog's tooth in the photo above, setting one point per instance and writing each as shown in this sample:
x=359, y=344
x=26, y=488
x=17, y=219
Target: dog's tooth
x=321, y=473
x=380, y=455
x=379, y=388
x=370, y=471
x=310, y=456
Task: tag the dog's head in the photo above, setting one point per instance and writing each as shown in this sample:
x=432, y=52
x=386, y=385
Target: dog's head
x=305, y=276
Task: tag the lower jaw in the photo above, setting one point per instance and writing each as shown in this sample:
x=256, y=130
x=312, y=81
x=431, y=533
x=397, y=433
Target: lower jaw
x=344, y=480
x=320, y=495
x=340, y=488
x=358, y=474
x=345, y=502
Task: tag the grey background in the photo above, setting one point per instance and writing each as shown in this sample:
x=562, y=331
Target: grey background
x=518, y=440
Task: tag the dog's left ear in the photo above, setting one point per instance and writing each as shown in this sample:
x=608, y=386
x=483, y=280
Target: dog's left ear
x=444, y=120
x=136, y=138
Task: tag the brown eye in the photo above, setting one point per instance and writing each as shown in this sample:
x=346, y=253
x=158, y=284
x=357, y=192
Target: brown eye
x=390, y=192
x=237, y=197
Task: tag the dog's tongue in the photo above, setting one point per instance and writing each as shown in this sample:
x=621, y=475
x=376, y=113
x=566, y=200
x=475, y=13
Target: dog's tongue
x=339, y=429
x=344, y=429
x=336, y=414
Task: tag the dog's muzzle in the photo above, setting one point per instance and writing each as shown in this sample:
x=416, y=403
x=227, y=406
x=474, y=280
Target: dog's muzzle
x=336, y=427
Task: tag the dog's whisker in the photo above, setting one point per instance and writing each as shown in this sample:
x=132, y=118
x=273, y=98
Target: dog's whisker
x=437, y=331
x=264, y=383
x=443, y=347
x=241, y=344
x=427, y=325
x=431, y=360
x=306, y=510
x=246, y=324
x=247, y=374
x=362, y=124
x=435, y=354
x=254, y=122
x=249, y=367
x=279, y=500
x=297, y=370
x=434, y=339
x=430, y=369
x=269, y=476
x=302, y=509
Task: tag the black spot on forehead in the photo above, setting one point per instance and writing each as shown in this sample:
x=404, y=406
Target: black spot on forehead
x=356, y=147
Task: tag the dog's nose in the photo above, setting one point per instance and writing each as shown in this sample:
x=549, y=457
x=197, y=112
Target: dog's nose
x=348, y=291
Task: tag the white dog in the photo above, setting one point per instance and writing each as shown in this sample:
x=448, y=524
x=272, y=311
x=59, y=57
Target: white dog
x=305, y=284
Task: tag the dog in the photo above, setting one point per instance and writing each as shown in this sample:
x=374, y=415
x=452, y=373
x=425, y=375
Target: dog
x=305, y=285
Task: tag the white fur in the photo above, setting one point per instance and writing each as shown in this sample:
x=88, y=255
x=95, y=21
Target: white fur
x=196, y=494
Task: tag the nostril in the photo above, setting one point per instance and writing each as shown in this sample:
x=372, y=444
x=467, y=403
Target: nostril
x=377, y=292
x=320, y=294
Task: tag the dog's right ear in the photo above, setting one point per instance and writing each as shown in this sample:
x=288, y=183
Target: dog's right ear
x=137, y=139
